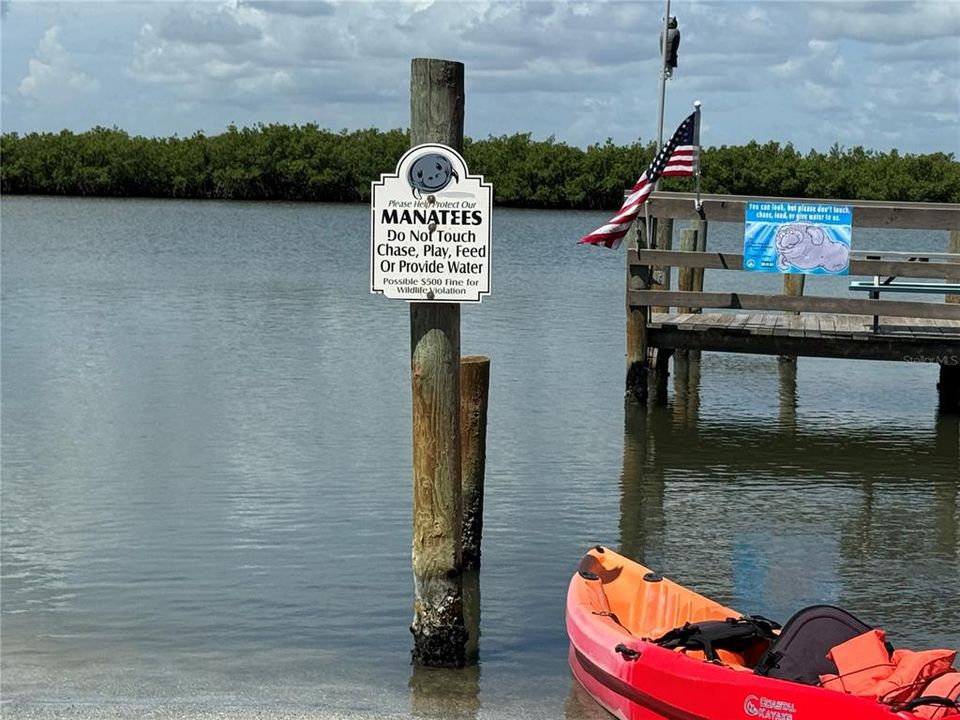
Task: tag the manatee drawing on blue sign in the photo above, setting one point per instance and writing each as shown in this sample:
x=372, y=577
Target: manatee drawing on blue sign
x=797, y=238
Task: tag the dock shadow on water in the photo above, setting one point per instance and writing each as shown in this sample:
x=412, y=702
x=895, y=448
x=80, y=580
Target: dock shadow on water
x=769, y=514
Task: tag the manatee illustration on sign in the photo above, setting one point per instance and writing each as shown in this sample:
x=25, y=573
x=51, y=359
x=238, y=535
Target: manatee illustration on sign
x=430, y=229
x=813, y=238
x=807, y=247
x=430, y=173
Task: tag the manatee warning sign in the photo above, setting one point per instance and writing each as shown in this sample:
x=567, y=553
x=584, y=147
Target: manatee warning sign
x=430, y=229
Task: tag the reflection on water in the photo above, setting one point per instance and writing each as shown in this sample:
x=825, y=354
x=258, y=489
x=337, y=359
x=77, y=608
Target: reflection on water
x=769, y=516
x=441, y=693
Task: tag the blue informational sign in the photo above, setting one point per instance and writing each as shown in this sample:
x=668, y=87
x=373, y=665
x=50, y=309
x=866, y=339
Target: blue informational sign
x=790, y=237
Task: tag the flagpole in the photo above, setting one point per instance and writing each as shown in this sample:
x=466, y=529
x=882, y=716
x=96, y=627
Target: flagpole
x=652, y=241
x=663, y=73
x=697, y=203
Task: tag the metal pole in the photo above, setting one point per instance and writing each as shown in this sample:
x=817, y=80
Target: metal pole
x=663, y=95
x=697, y=203
x=663, y=73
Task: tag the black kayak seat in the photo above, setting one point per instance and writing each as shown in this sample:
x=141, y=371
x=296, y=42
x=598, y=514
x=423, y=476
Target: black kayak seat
x=800, y=652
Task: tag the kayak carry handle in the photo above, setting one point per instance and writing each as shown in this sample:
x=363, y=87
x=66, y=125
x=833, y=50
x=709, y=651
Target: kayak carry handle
x=628, y=652
x=927, y=700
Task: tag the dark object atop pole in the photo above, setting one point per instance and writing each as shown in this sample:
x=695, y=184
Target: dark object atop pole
x=673, y=44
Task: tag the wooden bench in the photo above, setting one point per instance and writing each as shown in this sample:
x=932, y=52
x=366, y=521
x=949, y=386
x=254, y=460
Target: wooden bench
x=891, y=284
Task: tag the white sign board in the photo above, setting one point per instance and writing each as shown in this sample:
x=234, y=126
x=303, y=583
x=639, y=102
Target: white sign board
x=430, y=229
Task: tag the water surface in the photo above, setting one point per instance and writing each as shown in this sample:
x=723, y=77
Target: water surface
x=206, y=494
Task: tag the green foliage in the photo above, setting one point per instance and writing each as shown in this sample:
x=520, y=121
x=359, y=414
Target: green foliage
x=291, y=162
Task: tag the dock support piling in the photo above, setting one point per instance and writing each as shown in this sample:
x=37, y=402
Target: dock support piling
x=954, y=247
x=474, y=390
x=702, y=225
x=793, y=284
x=440, y=636
x=638, y=278
x=661, y=273
x=686, y=276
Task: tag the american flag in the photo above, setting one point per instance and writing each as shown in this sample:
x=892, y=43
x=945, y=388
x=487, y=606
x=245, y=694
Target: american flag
x=677, y=157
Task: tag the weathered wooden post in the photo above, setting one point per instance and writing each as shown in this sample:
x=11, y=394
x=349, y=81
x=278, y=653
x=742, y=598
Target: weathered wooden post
x=702, y=227
x=954, y=247
x=686, y=389
x=638, y=278
x=661, y=273
x=474, y=389
x=686, y=276
x=787, y=395
x=436, y=115
x=949, y=384
x=792, y=287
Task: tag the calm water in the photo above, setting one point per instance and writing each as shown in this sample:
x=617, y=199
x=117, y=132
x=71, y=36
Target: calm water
x=206, y=495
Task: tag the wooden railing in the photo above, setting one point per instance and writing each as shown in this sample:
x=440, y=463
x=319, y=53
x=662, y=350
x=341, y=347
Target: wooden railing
x=941, y=266
x=866, y=213
x=649, y=263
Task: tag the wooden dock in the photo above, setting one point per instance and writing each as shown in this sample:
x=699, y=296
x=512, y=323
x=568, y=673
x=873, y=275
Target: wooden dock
x=837, y=336
x=863, y=325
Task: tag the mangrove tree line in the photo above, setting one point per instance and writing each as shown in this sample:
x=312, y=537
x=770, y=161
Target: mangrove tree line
x=294, y=162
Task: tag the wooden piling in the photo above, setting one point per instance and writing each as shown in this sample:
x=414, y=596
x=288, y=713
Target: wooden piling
x=436, y=115
x=474, y=390
x=661, y=273
x=638, y=278
x=787, y=395
x=686, y=276
x=954, y=247
x=702, y=227
x=792, y=287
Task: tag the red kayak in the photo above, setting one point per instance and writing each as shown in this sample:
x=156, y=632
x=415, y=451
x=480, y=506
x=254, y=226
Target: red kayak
x=645, y=647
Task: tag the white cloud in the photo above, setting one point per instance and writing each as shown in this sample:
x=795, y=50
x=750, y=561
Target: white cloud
x=820, y=97
x=52, y=75
x=301, y=8
x=201, y=25
x=581, y=71
x=887, y=22
x=789, y=68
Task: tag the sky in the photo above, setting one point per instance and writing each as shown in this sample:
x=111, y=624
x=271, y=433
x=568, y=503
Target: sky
x=880, y=74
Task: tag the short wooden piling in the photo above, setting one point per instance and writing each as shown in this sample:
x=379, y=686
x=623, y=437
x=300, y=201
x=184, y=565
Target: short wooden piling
x=792, y=287
x=686, y=276
x=787, y=395
x=436, y=115
x=702, y=226
x=954, y=247
x=661, y=273
x=474, y=390
x=638, y=278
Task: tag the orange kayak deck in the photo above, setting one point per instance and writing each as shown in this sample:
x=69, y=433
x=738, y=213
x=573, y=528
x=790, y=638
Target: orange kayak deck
x=615, y=607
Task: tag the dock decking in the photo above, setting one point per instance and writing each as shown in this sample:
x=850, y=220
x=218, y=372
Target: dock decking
x=825, y=335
